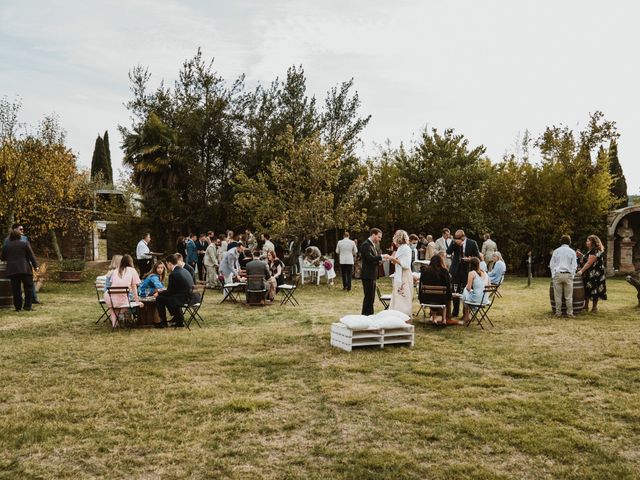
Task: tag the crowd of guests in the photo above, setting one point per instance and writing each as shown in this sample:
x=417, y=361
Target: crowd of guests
x=454, y=263
x=215, y=261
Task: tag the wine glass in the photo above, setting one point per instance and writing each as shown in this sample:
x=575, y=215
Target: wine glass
x=455, y=288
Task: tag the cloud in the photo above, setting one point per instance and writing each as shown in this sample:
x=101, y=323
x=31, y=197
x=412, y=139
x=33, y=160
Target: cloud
x=489, y=69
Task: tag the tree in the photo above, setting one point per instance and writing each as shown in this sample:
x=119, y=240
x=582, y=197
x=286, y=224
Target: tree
x=293, y=197
x=39, y=180
x=99, y=161
x=619, y=182
x=149, y=151
x=446, y=177
x=108, y=164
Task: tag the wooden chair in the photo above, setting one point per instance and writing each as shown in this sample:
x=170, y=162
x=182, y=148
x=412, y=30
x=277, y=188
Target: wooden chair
x=190, y=310
x=100, y=294
x=384, y=299
x=255, y=291
x=480, y=311
x=442, y=308
x=127, y=311
x=288, y=290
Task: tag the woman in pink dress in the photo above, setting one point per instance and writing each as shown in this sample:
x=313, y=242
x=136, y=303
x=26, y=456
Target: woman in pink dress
x=125, y=276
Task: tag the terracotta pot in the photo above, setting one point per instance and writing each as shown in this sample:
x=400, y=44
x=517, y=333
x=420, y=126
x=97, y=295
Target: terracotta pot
x=70, y=276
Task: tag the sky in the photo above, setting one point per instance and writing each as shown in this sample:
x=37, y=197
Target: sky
x=490, y=69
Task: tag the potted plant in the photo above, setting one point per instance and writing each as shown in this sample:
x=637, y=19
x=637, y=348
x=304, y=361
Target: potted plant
x=71, y=270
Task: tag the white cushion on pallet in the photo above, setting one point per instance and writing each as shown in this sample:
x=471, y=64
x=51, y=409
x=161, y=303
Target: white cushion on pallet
x=356, y=322
x=392, y=314
x=388, y=322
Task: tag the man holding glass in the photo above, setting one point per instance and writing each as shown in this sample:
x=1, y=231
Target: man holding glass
x=462, y=249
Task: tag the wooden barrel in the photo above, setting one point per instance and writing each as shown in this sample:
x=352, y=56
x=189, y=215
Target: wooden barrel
x=578, y=296
x=6, y=293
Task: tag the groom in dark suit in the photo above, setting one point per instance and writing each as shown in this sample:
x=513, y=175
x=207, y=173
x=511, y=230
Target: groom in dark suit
x=461, y=251
x=371, y=258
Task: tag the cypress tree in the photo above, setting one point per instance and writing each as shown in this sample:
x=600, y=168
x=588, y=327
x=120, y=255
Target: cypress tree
x=619, y=184
x=108, y=172
x=98, y=160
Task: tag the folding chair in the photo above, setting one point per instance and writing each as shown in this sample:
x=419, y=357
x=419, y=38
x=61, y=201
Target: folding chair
x=498, y=294
x=432, y=290
x=384, y=299
x=130, y=313
x=255, y=291
x=480, y=311
x=190, y=310
x=100, y=294
x=288, y=291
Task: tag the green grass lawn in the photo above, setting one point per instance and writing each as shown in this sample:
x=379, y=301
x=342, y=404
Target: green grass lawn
x=259, y=393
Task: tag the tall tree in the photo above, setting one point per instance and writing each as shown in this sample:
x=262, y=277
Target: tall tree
x=99, y=161
x=108, y=171
x=619, y=182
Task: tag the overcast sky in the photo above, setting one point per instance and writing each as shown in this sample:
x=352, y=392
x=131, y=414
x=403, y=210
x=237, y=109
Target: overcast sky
x=489, y=69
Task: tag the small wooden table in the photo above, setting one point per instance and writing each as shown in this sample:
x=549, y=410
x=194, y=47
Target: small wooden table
x=148, y=315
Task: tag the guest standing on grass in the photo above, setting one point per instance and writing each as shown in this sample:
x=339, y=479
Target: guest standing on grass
x=177, y=294
x=563, y=266
x=371, y=258
x=402, y=294
x=347, y=251
x=143, y=254
x=210, y=262
x=593, y=273
x=462, y=250
x=20, y=264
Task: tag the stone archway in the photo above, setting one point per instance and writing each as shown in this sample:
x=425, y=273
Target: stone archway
x=627, y=246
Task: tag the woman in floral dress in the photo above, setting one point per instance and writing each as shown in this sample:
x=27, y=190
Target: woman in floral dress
x=593, y=273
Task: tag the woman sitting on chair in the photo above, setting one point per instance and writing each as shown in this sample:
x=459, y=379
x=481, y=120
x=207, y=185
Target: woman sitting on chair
x=153, y=281
x=474, y=291
x=436, y=275
x=113, y=267
x=125, y=276
x=276, y=266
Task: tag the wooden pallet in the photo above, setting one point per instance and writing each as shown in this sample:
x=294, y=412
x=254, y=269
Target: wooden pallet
x=346, y=339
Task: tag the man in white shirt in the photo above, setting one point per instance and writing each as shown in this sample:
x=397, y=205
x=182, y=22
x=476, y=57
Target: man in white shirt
x=347, y=252
x=143, y=254
x=563, y=268
x=268, y=245
x=443, y=243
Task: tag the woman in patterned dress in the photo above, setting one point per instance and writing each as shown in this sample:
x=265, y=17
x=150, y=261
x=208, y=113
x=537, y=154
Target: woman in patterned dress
x=593, y=273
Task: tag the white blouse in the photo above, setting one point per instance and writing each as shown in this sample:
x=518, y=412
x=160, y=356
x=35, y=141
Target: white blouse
x=404, y=256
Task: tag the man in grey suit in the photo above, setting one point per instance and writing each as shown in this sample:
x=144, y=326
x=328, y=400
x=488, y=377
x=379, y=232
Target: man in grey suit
x=443, y=244
x=489, y=247
x=230, y=265
x=347, y=252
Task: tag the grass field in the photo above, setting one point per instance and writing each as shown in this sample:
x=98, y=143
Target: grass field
x=259, y=393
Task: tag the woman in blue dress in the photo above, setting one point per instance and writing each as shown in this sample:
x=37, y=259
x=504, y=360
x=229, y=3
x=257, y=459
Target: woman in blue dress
x=153, y=281
x=474, y=291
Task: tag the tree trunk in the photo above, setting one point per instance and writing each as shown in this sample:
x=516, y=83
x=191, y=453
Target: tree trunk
x=55, y=245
